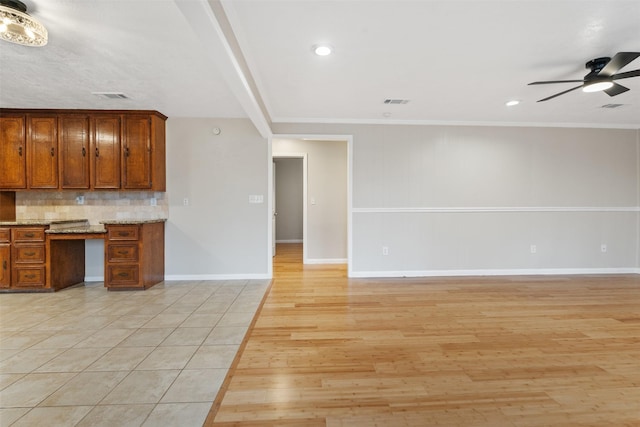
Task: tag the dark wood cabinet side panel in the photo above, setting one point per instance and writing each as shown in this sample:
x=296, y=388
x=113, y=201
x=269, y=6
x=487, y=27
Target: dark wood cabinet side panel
x=74, y=145
x=13, y=152
x=42, y=152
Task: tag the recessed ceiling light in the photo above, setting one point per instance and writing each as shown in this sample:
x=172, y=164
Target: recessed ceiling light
x=322, y=49
x=512, y=103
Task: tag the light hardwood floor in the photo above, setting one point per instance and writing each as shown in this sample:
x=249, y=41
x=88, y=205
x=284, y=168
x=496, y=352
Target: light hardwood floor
x=519, y=351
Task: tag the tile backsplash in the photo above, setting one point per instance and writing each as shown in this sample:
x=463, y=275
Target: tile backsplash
x=98, y=205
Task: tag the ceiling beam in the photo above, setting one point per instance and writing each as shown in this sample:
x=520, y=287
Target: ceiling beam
x=204, y=18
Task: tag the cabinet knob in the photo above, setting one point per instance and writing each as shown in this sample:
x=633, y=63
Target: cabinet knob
x=53, y=152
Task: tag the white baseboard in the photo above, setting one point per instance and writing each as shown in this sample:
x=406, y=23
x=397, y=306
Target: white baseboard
x=507, y=272
x=217, y=277
x=326, y=261
x=197, y=277
x=290, y=241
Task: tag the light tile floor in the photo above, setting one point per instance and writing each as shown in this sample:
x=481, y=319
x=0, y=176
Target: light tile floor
x=87, y=357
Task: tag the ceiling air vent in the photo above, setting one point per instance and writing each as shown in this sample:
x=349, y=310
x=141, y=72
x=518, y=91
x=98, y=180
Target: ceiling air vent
x=110, y=95
x=396, y=101
x=612, y=105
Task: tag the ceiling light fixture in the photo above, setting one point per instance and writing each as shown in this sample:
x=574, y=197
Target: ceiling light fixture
x=512, y=103
x=597, y=86
x=322, y=49
x=16, y=26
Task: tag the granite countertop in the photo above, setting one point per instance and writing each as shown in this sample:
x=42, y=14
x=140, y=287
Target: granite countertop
x=77, y=226
x=78, y=230
x=131, y=221
x=57, y=222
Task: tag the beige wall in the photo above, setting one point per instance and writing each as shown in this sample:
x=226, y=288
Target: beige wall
x=219, y=234
x=472, y=200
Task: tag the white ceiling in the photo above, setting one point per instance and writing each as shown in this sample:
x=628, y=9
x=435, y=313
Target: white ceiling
x=456, y=61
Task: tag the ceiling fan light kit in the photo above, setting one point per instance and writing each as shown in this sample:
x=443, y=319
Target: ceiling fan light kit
x=16, y=26
x=602, y=75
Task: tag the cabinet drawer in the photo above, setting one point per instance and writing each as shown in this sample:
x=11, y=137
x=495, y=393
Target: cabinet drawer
x=28, y=234
x=122, y=253
x=29, y=277
x=122, y=275
x=28, y=253
x=5, y=235
x=123, y=233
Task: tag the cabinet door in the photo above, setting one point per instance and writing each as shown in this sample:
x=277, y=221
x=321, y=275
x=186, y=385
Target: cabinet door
x=106, y=152
x=12, y=152
x=5, y=265
x=137, y=152
x=42, y=147
x=73, y=132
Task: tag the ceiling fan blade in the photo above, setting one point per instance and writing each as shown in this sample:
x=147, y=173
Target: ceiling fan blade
x=561, y=93
x=616, y=89
x=618, y=61
x=626, y=75
x=556, y=81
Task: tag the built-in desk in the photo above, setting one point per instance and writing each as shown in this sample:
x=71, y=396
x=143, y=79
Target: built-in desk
x=66, y=254
x=50, y=255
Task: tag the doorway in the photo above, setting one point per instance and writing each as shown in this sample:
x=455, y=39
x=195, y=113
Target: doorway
x=289, y=209
x=326, y=206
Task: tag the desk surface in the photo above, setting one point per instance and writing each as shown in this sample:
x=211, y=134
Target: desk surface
x=77, y=233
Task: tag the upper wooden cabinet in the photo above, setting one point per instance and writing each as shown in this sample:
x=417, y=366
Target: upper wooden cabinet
x=105, y=152
x=75, y=146
x=13, y=171
x=143, y=155
x=42, y=151
x=82, y=149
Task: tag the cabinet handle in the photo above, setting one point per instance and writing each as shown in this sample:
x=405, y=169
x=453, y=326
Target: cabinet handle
x=29, y=234
x=123, y=274
x=4, y=264
x=84, y=152
x=30, y=276
x=20, y=151
x=29, y=253
x=122, y=252
x=97, y=152
x=126, y=151
x=123, y=233
x=53, y=153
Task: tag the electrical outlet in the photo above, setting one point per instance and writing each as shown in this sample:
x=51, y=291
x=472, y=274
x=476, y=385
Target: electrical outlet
x=153, y=201
x=185, y=201
x=80, y=200
x=603, y=248
x=385, y=250
x=533, y=249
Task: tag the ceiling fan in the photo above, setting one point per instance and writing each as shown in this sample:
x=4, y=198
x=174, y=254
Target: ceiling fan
x=602, y=75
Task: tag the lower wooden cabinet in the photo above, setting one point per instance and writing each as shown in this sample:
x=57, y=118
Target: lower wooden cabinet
x=27, y=258
x=5, y=258
x=134, y=255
